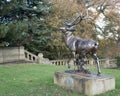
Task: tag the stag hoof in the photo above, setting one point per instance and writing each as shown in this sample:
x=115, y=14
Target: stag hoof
x=87, y=72
x=99, y=74
x=69, y=66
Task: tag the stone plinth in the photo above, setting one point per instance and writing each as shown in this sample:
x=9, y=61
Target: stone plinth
x=87, y=84
x=10, y=54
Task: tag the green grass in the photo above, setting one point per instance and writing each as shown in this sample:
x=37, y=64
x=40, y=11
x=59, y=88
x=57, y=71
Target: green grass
x=37, y=80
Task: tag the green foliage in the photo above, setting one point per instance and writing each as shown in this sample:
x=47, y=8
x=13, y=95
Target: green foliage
x=6, y=7
x=13, y=33
x=118, y=61
x=24, y=23
x=3, y=30
x=39, y=36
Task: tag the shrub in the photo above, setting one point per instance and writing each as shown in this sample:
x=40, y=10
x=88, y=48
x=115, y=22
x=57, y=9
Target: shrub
x=118, y=61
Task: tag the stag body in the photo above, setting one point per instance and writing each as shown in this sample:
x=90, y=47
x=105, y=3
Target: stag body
x=80, y=47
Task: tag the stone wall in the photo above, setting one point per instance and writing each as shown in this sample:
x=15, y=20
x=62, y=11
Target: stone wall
x=10, y=54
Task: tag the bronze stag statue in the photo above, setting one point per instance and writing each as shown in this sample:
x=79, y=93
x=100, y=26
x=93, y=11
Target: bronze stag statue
x=79, y=47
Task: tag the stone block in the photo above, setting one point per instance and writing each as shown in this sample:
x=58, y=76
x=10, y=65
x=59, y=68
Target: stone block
x=87, y=84
x=9, y=54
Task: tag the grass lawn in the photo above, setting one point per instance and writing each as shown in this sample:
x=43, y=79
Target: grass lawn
x=37, y=80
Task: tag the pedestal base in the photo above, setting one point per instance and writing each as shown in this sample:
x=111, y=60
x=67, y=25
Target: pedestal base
x=87, y=84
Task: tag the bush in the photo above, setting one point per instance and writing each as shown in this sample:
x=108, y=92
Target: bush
x=118, y=61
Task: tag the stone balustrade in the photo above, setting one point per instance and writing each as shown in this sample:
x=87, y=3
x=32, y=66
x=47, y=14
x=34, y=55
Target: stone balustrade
x=11, y=54
x=30, y=57
x=36, y=59
x=104, y=63
x=59, y=62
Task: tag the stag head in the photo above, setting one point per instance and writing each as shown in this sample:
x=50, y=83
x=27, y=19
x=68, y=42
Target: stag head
x=70, y=26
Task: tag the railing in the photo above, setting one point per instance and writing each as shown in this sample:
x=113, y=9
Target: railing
x=30, y=57
x=113, y=62
x=59, y=62
x=104, y=63
x=36, y=59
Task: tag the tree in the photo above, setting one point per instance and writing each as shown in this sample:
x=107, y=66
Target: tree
x=86, y=29
x=33, y=24
x=111, y=33
x=24, y=23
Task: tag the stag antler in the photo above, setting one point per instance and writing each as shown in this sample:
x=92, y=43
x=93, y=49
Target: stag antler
x=77, y=20
x=87, y=16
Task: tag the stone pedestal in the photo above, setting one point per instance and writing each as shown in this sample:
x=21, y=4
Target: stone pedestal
x=87, y=84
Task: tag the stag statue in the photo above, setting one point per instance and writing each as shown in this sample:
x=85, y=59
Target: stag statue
x=79, y=47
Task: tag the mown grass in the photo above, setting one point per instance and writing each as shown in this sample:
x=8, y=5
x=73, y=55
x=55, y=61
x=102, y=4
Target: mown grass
x=37, y=80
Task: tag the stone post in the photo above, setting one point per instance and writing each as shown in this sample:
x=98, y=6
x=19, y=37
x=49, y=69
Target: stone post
x=40, y=56
x=42, y=60
x=107, y=63
x=91, y=62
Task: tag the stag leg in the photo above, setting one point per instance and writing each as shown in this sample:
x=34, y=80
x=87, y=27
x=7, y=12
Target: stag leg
x=68, y=63
x=74, y=60
x=82, y=66
x=73, y=56
x=78, y=64
x=98, y=65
